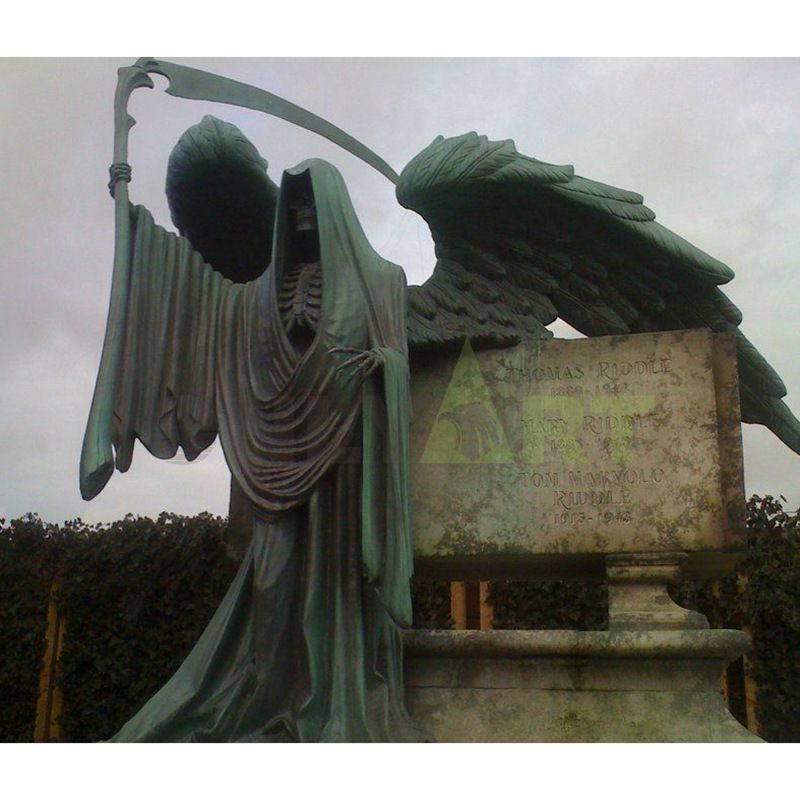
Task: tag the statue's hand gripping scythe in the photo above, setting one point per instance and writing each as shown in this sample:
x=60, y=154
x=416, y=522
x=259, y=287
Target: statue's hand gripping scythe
x=97, y=459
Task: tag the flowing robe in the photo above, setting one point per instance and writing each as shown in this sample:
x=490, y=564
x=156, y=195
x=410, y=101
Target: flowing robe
x=306, y=644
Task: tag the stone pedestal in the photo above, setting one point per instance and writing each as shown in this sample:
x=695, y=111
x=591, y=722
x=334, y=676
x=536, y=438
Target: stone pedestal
x=572, y=686
x=638, y=596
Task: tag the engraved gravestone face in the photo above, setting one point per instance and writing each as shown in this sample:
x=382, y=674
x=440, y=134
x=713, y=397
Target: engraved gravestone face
x=603, y=445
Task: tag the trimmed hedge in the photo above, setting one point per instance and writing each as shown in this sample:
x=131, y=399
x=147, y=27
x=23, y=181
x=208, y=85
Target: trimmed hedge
x=430, y=600
x=136, y=594
x=26, y=568
x=548, y=605
x=763, y=597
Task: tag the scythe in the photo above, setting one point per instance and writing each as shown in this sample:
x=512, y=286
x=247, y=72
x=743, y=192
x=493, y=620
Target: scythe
x=97, y=457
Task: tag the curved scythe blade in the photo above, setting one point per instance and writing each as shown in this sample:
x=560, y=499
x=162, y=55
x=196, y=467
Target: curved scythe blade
x=195, y=84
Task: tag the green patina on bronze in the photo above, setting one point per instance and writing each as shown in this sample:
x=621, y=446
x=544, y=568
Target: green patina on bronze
x=306, y=644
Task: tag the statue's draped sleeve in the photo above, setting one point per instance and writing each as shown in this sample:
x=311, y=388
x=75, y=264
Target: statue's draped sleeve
x=161, y=390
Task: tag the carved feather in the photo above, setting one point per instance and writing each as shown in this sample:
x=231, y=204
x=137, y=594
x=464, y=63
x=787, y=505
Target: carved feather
x=522, y=241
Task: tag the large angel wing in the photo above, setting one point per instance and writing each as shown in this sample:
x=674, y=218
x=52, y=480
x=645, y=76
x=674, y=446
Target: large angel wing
x=520, y=242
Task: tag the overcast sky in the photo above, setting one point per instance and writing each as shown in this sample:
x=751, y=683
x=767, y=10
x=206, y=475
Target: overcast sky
x=711, y=144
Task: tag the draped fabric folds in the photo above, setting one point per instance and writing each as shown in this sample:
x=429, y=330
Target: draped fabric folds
x=305, y=645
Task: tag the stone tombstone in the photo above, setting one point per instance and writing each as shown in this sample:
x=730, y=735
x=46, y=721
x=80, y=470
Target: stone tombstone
x=543, y=459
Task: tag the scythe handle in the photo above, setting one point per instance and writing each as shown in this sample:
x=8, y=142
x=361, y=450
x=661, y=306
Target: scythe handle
x=97, y=456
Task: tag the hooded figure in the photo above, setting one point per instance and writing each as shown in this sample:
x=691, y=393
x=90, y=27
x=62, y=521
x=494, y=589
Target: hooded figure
x=304, y=374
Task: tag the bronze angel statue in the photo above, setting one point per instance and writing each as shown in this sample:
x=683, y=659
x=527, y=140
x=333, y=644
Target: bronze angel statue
x=271, y=322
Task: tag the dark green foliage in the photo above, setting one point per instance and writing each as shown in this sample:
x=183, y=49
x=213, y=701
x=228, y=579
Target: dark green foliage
x=136, y=594
x=25, y=576
x=548, y=605
x=430, y=600
x=772, y=597
x=764, y=598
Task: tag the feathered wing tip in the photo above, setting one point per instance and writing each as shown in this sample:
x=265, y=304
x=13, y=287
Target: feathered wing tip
x=783, y=423
x=774, y=414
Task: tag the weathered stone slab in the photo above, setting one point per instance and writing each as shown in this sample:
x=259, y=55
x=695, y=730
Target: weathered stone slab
x=559, y=450
x=572, y=686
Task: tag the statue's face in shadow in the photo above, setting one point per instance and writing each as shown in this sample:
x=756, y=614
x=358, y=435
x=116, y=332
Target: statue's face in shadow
x=304, y=231
x=303, y=213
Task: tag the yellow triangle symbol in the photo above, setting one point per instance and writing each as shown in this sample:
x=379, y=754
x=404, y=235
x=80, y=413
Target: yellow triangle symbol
x=467, y=429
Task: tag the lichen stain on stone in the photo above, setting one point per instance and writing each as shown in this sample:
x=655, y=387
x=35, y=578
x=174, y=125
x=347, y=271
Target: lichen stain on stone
x=577, y=675
x=559, y=545
x=498, y=509
x=458, y=540
x=576, y=728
